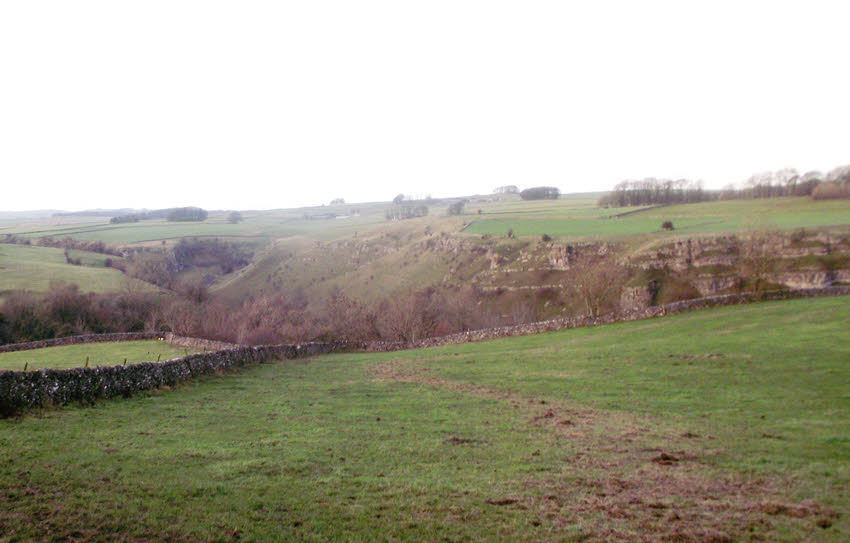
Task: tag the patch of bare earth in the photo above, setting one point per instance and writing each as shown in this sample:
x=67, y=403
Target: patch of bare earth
x=621, y=486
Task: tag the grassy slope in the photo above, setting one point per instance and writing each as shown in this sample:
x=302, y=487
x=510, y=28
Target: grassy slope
x=99, y=354
x=541, y=438
x=24, y=267
x=390, y=263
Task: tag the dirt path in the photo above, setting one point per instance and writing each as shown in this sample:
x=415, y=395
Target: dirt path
x=621, y=486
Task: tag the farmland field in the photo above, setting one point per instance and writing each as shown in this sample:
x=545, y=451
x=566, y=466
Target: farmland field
x=708, y=217
x=720, y=425
x=23, y=267
x=265, y=224
x=98, y=354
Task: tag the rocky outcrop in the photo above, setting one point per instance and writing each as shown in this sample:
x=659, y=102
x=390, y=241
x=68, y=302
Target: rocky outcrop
x=811, y=279
x=715, y=265
x=636, y=297
x=710, y=285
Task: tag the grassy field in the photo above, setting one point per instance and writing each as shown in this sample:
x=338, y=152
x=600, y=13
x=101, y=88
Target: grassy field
x=570, y=216
x=262, y=224
x=709, y=217
x=24, y=267
x=721, y=425
x=98, y=354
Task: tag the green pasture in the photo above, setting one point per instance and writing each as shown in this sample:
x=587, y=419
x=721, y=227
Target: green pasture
x=270, y=224
x=152, y=230
x=722, y=425
x=24, y=267
x=98, y=354
x=95, y=260
x=569, y=205
x=708, y=217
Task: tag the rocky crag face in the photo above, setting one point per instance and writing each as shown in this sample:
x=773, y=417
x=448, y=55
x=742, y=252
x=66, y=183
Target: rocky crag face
x=728, y=264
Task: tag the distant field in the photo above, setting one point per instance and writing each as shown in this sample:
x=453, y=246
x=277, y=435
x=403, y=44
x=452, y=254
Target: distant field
x=153, y=230
x=710, y=217
x=99, y=354
x=266, y=224
x=25, y=267
x=723, y=425
x=572, y=215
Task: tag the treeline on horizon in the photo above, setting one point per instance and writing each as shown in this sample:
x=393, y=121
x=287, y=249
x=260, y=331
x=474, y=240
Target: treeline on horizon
x=787, y=182
x=175, y=214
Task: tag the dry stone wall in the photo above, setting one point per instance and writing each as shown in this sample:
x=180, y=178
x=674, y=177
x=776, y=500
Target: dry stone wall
x=20, y=390
x=578, y=322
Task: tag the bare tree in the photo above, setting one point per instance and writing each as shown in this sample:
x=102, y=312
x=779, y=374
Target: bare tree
x=408, y=316
x=755, y=263
x=596, y=279
x=347, y=319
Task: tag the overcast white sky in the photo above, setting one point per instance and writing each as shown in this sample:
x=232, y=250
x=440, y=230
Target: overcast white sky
x=256, y=105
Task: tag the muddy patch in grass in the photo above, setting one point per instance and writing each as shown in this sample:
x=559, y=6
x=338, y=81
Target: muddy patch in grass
x=454, y=440
x=619, y=485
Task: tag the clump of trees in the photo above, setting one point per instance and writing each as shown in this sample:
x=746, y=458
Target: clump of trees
x=278, y=317
x=187, y=214
x=121, y=219
x=768, y=184
x=65, y=311
x=596, y=279
x=836, y=185
x=457, y=208
x=506, y=189
x=401, y=212
x=235, y=217
x=652, y=191
x=66, y=243
x=207, y=253
x=162, y=267
x=540, y=193
x=71, y=260
x=171, y=214
x=157, y=267
x=17, y=240
x=831, y=191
